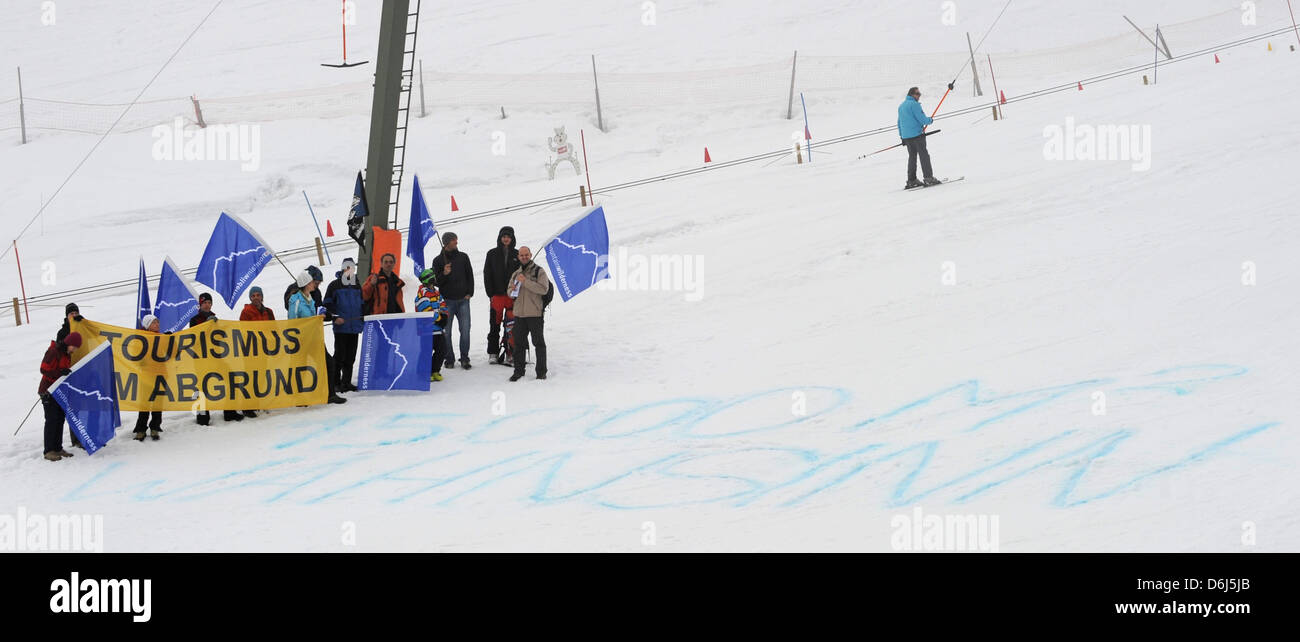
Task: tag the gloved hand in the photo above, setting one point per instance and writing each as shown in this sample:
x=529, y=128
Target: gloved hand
x=65, y=372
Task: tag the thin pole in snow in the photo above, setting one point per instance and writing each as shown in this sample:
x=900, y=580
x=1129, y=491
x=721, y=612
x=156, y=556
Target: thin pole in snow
x=1293, y=25
x=1155, y=67
x=318, y=234
x=586, y=165
x=807, y=133
x=789, y=110
x=600, y=118
x=21, y=284
x=422, y=112
x=22, y=115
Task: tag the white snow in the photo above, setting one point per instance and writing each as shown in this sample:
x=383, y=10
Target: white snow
x=673, y=416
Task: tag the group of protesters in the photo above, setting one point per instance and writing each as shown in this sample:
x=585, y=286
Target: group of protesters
x=518, y=289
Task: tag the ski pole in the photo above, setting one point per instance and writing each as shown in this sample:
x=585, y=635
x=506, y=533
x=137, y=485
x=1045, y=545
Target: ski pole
x=29, y=414
x=896, y=145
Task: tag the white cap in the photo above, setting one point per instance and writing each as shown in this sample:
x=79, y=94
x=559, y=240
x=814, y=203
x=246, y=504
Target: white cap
x=148, y=321
x=304, y=278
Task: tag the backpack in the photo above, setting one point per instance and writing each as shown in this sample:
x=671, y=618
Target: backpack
x=550, y=289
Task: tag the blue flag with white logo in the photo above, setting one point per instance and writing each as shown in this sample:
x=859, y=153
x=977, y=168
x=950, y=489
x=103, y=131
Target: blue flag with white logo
x=421, y=231
x=88, y=397
x=177, y=303
x=579, y=255
x=397, y=352
x=142, y=306
x=234, y=257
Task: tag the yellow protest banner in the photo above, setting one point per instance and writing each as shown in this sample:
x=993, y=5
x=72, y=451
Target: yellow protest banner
x=219, y=365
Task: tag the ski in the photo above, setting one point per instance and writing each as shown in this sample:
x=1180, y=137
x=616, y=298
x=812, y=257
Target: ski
x=941, y=182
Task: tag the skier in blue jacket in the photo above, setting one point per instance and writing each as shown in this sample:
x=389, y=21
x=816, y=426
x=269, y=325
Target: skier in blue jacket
x=912, y=122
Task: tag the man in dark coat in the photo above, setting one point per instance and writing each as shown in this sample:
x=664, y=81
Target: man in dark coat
x=502, y=261
x=343, y=300
x=456, y=283
x=206, y=314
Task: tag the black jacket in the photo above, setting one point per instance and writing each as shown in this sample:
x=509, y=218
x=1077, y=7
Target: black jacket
x=202, y=317
x=458, y=284
x=502, y=261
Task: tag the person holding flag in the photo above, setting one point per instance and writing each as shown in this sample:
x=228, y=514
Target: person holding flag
x=382, y=291
x=528, y=285
x=56, y=363
x=205, y=315
x=146, y=420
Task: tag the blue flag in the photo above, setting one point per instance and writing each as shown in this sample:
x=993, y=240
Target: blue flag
x=397, y=352
x=422, y=230
x=177, y=303
x=142, y=306
x=234, y=257
x=88, y=397
x=579, y=255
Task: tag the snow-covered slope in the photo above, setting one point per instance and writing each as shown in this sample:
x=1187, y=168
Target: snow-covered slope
x=1065, y=344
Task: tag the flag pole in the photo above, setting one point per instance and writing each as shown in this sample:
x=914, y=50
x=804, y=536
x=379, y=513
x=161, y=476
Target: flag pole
x=29, y=414
x=318, y=234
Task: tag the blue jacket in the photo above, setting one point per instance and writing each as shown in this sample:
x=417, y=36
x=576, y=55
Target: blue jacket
x=345, y=301
x=301, y=306
x=912, y=119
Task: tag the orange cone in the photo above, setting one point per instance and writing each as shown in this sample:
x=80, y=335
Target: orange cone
x=453, y=204
x=329, y=229
x=706, y=156
x=1216, y=59
x=1004, y=97
x=1080, y=86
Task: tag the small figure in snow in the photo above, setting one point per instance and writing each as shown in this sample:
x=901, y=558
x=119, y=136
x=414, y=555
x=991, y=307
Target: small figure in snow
x=559, y=143
x=912, y=122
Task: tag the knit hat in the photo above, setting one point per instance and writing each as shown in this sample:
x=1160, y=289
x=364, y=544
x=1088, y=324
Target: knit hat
x=206, y=296
x=71, y=307
x=147, y=321
x=315, y=273
x=73, y=339
x=256, y=289
x=304, y=277
x=429, y=277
